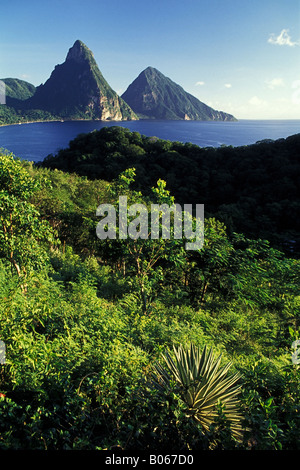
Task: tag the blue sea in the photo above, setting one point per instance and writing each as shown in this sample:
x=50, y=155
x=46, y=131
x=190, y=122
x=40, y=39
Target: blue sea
x=34, y=141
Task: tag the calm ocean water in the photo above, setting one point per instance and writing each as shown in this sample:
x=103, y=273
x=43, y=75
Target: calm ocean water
x=37, y=140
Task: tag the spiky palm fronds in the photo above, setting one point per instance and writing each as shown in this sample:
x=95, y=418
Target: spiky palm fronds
x=202, y=385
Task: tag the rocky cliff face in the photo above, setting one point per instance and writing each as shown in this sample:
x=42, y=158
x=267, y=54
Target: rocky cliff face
x=152, y=95
x=77, y=89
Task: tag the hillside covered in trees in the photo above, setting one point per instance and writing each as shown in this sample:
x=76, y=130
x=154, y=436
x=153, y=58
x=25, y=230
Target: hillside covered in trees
x=140, y=344
x=253, y=189
x=152, y=95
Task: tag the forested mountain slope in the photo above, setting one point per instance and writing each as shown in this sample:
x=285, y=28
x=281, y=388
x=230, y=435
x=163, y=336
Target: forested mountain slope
x=253, y=189
x=89, y=326
x=155, y=96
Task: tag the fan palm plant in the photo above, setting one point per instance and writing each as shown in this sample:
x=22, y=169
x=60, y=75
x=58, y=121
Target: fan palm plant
x=202, y=385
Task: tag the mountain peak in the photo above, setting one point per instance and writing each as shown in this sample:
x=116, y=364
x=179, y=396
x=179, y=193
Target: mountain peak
x=77, y=89
x=79, y=52
x=151, y=71
x=153, y=95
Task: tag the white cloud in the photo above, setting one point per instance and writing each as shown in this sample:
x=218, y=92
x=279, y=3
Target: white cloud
x=255, y=101
x=274, y=83
x=200, y=83
x=227, y=85
x=283, y=39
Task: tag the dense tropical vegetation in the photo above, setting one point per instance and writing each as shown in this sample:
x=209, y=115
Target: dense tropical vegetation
x=253, y=189
x=16, y=89
x=141, y=344
x=16, y=93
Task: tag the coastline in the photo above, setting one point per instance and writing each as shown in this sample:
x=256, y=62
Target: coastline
x=129, y=120
x=29, y=122
x=57, y=119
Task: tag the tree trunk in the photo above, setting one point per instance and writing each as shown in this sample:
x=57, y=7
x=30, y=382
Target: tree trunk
x=141, y=283
x=205, y=285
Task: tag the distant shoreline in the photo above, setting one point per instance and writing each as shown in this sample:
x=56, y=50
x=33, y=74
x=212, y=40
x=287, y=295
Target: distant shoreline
x=28, y=122
x=59, y=120
x=129, y=120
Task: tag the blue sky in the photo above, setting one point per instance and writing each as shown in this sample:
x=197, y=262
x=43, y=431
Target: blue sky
x=240, y=57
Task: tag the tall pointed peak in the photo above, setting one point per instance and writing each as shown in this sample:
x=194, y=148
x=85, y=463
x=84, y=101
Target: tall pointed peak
x=155, y=96
x=79, y=52
x=152, y=74
x=151, y=71
x=77, y=89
